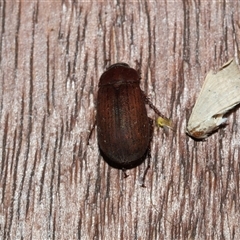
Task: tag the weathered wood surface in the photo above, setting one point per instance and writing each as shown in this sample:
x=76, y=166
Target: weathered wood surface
x=54, y=185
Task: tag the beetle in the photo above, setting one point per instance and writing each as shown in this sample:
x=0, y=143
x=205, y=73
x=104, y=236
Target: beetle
x=124, y=130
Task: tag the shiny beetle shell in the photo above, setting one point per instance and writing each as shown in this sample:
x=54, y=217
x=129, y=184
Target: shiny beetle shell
x=123, y=127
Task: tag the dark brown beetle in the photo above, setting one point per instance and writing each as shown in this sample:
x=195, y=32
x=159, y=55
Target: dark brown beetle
x=124, y=129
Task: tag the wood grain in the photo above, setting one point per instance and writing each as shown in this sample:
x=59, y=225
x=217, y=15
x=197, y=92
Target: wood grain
x=53, y=182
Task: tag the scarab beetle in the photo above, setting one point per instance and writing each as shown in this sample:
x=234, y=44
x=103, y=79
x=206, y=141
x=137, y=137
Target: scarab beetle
x=123, y=127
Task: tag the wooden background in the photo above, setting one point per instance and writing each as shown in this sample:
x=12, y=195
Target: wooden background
x=55, y=186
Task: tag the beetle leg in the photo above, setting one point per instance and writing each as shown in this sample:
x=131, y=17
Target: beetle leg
x=148, y=152
x=124, y=172
x=138, y=67
x=148, y=166
x=91, y=131
x=147, y=101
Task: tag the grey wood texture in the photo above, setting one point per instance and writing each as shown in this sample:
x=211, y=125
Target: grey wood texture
x=53, y=183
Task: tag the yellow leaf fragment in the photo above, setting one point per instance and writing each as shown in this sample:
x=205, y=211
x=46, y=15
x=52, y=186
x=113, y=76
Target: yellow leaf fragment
x=164, y=123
